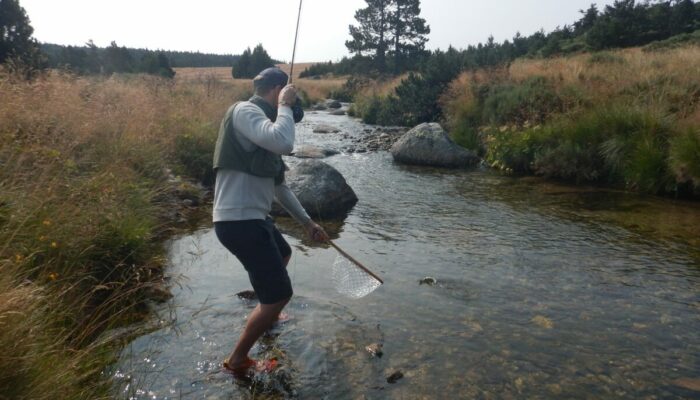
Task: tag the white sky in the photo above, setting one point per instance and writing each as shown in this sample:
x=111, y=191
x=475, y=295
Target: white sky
x=217, y=26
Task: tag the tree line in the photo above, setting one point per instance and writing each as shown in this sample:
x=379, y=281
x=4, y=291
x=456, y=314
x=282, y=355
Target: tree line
x=59, y=56
x=625, y=23
x=21, y=52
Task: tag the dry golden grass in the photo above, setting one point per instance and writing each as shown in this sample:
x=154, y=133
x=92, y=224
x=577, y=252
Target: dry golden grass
x=607, y=75
x=315, y=89
x=84, y=199
x=648, y=79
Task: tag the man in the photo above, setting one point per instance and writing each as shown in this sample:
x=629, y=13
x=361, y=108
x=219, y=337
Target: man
x=249, y=176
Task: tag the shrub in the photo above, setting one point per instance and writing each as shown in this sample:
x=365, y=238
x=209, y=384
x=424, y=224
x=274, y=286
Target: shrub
x=684, y=158
x=530, y=101
x=194, y=152
x=605, y=57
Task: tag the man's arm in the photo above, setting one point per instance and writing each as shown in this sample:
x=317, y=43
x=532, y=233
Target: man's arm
x=277, y=137
x=286, y=198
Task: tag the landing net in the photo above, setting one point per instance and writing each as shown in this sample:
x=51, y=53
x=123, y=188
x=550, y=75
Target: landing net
x=351, y=280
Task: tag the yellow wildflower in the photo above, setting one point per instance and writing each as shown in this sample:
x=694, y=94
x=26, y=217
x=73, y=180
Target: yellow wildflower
x=47, y=222
x=19, y=257
x=53, y=276
x=54, y=245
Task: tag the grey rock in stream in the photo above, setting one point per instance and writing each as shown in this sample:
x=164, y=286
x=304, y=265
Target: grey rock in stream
x=326, y=129
x=320, y=188
x=429, y=144
x=311, y=151
x=333, y=104
x=339, y=111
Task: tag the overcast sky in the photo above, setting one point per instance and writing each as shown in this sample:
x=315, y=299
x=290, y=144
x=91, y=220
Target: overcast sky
x=218, y=26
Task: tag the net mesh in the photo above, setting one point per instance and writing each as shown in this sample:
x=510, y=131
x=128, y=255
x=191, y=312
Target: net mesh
x=351, y=280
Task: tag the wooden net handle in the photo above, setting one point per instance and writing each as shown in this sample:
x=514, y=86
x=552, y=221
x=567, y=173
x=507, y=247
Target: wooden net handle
x=359, y=264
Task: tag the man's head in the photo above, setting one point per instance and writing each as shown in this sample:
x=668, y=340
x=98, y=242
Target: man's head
x=269, y=82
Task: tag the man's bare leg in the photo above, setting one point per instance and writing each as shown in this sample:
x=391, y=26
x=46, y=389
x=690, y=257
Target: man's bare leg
x=260, y=320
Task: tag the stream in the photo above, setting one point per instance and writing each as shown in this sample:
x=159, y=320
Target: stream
x=543, y=291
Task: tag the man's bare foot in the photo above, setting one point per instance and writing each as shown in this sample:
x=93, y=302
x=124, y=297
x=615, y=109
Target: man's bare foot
x=243, y=367
x=282, y=318
x=239, y=366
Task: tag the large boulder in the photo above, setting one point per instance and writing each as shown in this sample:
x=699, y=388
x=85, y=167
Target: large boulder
x=429, y=144
x=320, y=188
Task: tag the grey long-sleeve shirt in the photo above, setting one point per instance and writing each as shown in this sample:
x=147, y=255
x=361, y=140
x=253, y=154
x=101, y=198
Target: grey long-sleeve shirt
x=240, y=196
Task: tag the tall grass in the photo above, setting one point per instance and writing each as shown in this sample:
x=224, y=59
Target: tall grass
x=85, y=198
x=628, y=118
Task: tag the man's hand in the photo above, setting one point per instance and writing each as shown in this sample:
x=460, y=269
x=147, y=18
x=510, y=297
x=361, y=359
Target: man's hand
x=288, y=96
x=316, y=232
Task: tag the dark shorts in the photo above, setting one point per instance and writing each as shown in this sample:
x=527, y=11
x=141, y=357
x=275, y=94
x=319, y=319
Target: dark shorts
x=261, y=249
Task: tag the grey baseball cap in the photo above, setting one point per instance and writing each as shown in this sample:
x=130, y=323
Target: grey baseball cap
x=271, y=76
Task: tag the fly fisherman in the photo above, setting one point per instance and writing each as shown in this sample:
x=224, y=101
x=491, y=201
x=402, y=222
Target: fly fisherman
x=249, y=176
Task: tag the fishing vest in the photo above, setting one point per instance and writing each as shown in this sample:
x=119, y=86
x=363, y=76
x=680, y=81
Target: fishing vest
x=230, y=154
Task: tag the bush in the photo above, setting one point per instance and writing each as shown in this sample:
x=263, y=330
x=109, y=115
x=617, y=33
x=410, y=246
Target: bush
x=194, y=152
x=674, y=42
x=684, y=158
x=530, y=101
x=605, y=57
x=612, y=144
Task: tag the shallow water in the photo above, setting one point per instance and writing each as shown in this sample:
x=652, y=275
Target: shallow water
x=543, y=291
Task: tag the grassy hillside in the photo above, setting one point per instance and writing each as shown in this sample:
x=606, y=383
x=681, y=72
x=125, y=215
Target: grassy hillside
x=628, y=118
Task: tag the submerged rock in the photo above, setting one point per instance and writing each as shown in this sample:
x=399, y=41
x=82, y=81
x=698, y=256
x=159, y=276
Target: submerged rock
x=429, y=144
x=394, y=377
x=320, y=188
x=311, y=151
x=333, y=104
x=375, y=349
x=428, y=280
x=338, y=112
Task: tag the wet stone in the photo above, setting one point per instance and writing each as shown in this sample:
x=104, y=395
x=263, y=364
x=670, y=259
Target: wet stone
x=428, y=280
x=325, y=129
x=375, y=349
x=247, y=295
x=394, y=377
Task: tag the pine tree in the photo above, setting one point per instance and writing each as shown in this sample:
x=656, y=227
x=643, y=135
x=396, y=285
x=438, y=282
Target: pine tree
x=372, y=36
x=589, y=18
x=241, y=68
x=118, y=59
x=260, y=60
x=409, y=31
x=683, y=17
x=16, y=40
x=251, y=63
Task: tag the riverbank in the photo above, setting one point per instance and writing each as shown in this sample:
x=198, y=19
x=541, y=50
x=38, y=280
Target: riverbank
x=89, y=189
x=626, y=119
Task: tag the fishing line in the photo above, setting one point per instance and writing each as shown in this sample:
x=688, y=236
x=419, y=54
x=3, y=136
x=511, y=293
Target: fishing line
x=289, y=81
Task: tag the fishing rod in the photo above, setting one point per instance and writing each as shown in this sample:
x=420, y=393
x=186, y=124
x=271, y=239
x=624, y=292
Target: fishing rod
x=294, y=52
